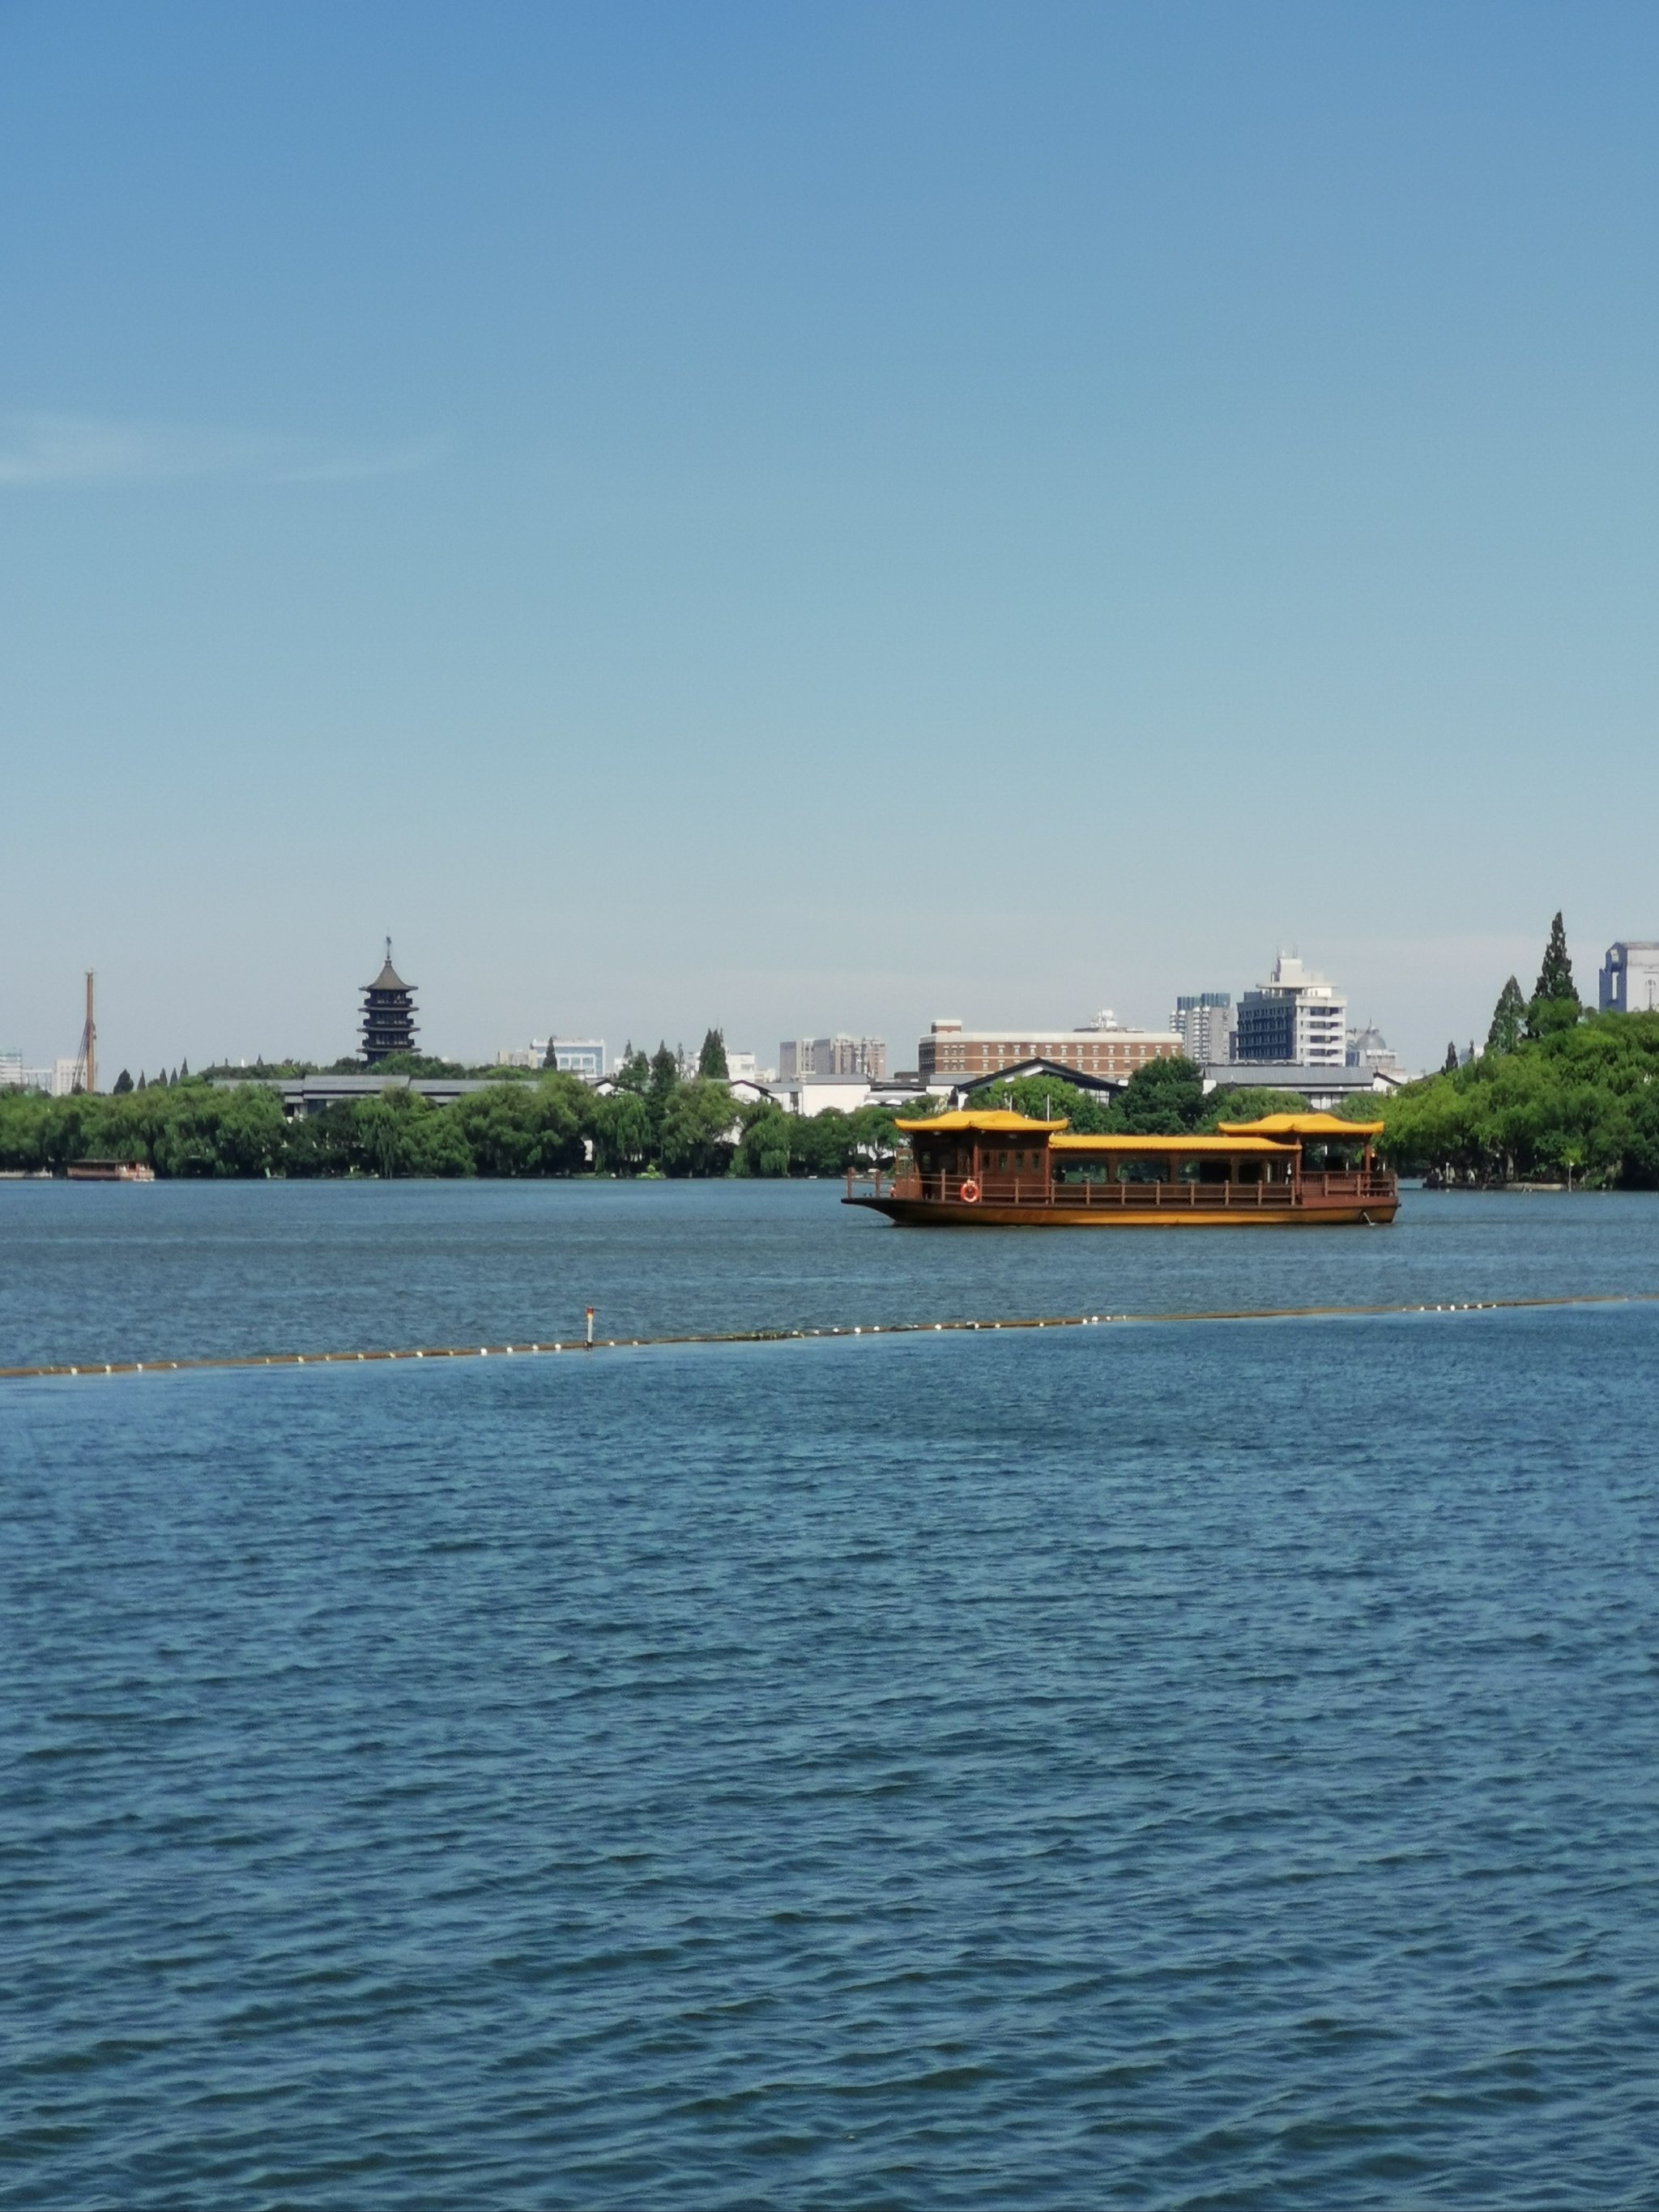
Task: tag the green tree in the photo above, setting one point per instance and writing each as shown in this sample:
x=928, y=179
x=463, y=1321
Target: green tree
x=633, y=1073
x=1449, y=1065
x=550, y=1058
x=764, y=1147
x=624, y=1140
x=1555, y=1004
x=699, y=1129
x=711, y=1060
x=122, y=1084
x=1045, y=1098
x=665, y=1074
x=1161, y=1098
x=1509, y=1019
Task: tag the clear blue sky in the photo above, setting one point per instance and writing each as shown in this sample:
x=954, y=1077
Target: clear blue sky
x=808, y=518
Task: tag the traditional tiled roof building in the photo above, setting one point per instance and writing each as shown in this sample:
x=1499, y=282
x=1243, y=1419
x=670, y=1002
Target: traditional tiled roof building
x=388, y=1013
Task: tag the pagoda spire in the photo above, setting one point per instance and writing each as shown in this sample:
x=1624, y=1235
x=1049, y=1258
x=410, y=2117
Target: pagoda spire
x=388, y=1014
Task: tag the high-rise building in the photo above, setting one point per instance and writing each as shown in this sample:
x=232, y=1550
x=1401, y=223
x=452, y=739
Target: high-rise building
x=839, y=1056
x=1629, y=977
x=1295, y=1017
x=1203, y=1020
x=388, y=1013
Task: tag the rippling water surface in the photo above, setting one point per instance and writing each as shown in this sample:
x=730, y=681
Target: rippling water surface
x=1204, y=1767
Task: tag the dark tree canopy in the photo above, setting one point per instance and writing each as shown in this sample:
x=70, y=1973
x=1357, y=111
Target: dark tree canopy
x=665, y=1071
x=1449, y=1065
x=1163, y=1098
x=711, y=1060
x=122, y=1083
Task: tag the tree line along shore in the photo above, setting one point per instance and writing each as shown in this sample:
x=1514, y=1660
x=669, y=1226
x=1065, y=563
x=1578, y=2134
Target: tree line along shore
x=1558, y=1095
x=661, y=1119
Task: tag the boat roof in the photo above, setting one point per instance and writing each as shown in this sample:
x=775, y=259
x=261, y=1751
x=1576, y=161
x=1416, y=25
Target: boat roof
x=991, y=1121
x=1233, y=1147
x=1297, y=1127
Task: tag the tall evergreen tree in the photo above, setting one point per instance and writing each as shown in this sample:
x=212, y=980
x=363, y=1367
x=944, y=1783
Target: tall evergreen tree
x=711, y=1060
x=664, y=1073
x=1555, y=977
x=1555, y=1003
x=550, y=1058
x=1448, y=1066
x=123, y=1081
x=1509, y=1019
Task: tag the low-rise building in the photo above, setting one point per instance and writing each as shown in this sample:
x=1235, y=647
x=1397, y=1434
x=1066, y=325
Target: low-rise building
x=584, y=1056
x=1324, y=1087
x=301, y=1095
x=1629, y=977
x=949, y=1053
x=1368, y=1048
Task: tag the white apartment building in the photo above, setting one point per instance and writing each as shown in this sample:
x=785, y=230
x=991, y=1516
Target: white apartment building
x=1629, y=977
x=840, y=1057
x=1295, y=1017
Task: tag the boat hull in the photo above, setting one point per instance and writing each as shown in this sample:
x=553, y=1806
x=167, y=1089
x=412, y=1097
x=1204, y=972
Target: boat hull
x=948, y=1213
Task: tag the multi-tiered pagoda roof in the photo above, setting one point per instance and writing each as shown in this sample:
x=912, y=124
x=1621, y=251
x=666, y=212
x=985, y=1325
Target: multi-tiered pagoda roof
x=388, y=1013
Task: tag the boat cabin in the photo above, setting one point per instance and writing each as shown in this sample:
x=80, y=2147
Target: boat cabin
x=995, y=1161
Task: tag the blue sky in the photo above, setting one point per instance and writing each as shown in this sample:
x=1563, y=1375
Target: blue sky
x=815, y=518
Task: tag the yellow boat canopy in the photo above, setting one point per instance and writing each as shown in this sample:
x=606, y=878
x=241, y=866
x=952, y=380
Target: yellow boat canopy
x=1298, y=1128
x=992, y=1122
x=1231, y=1148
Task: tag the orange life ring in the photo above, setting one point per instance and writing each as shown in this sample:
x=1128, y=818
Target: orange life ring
x=970, y=1192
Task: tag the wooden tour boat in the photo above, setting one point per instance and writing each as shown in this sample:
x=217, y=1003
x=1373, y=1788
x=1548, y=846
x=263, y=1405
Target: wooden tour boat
x=1002, y=1170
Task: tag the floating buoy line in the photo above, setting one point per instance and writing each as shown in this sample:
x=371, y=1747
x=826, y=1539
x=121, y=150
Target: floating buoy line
x=590, y=1343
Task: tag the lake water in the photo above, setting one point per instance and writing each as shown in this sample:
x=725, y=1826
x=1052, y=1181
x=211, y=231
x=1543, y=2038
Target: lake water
x=1204, y=1767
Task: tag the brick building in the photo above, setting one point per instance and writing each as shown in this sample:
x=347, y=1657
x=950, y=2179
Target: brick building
x=949, y=1053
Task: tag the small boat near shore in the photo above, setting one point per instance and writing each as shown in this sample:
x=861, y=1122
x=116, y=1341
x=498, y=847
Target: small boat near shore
x=110, y=1171
x=995, y=1169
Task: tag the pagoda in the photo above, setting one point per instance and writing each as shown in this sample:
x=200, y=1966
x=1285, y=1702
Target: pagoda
x=388, y=1013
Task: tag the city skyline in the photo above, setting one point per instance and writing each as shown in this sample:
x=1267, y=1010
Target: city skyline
x=901, y=1039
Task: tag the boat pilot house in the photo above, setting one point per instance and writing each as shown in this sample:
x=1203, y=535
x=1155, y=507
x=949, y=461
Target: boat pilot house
x=1001, y=1169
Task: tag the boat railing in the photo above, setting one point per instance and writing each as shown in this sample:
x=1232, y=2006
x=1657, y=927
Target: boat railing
x=1351, y=1184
